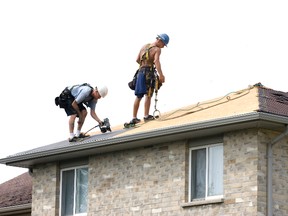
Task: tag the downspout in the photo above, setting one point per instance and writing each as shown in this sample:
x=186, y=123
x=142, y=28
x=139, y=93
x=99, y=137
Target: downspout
x=270, y=169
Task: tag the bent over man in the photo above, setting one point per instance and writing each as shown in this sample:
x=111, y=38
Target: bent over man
x=75, y=98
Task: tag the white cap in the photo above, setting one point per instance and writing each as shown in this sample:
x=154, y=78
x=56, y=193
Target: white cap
x=103, y=91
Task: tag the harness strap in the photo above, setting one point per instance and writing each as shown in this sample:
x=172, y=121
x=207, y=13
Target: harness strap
x=84, y=84
x=145, y=56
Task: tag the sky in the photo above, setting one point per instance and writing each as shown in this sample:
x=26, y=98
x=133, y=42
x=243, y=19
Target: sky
x=216, y=47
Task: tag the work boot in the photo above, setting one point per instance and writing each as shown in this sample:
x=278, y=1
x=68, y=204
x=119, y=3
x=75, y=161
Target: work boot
x=135, y=121
x=149, y=118
x=74, y=139
x=82, y=135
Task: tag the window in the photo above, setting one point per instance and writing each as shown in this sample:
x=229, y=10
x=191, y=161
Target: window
x=74, y=191
x=206, y=172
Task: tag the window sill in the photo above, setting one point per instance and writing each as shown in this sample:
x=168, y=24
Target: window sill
x=202, y=202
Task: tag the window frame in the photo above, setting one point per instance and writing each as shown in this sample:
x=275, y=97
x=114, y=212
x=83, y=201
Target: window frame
x=75, y=168
x=206, y=197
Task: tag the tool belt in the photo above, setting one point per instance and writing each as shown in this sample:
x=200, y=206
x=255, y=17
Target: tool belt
x=64, y=99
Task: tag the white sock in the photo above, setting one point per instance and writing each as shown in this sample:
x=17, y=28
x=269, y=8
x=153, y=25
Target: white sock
x=77, y=133
x=71, y=135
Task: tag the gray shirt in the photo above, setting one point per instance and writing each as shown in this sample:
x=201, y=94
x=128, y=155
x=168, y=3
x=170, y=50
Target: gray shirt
x=82, y=94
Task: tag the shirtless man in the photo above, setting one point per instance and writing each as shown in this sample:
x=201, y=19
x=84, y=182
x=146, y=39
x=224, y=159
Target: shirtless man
x=149, y=60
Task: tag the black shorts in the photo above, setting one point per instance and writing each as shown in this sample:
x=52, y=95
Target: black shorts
x=70, y=110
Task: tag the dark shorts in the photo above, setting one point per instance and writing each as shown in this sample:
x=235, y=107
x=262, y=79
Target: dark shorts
x=70, y=110
x=145, y=83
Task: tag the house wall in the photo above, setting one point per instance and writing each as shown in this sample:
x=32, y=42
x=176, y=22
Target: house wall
x=138, y=182
x=245, y=173
x=241, y=173
x=45, y=190
x=154, y=181
x=279, y=173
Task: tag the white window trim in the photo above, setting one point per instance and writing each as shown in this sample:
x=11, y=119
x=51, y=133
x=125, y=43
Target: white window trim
x=217, y=198
x=61, y=178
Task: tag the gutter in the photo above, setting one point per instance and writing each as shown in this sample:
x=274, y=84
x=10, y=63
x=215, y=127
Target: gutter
x=29, y=158
x=270, y=170
x=15, y=210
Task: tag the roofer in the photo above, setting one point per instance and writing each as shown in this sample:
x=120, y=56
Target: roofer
x=73, y=99
x=149, y=72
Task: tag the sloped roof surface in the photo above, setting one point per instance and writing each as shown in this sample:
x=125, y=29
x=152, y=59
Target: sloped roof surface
x=240, y=102
x=234, y=103
x=253, y=99
x=256, y=98
x=17, y=191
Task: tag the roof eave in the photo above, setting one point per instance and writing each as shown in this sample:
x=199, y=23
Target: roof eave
x=168, y=134
x=15, y=210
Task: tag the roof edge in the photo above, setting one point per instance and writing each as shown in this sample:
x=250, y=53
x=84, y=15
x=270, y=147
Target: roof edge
x=162, y=132
x=25, y=208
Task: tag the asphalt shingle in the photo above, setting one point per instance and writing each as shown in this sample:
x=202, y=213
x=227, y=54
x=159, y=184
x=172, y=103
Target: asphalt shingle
x=17, y=191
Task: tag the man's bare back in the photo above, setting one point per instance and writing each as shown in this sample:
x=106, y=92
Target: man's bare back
x=153, y=50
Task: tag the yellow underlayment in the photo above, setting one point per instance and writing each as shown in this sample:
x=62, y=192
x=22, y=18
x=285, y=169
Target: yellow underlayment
x=232, y=104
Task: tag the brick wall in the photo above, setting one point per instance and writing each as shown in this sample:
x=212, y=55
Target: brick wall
x=240, y=173
x=153, y=181
x=138, y=182
x=45, y=191
x=280, y=176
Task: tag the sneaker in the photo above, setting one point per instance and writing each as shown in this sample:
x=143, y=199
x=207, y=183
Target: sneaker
x=135, y=121
x=82, y=135
x=74, y=139
x=149, y=118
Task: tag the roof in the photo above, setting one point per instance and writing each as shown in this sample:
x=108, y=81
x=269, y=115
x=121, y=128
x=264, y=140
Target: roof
x=255, y=106
x=16, y=192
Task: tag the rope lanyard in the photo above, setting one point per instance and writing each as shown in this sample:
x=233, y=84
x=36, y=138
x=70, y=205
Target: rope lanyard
x=156, y=113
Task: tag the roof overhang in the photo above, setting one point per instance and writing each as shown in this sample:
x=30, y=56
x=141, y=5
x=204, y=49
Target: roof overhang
x=166, y=134
x=16, y=210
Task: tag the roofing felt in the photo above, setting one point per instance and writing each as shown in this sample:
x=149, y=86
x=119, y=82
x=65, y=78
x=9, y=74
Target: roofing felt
x=17, y=191
x=253, y=99
x=242, y=101
x=256, y=98
x=234, y=103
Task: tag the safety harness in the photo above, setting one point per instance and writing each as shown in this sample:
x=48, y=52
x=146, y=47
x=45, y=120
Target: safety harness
x=144, y=57
x=66, y=97
x=84, y=84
